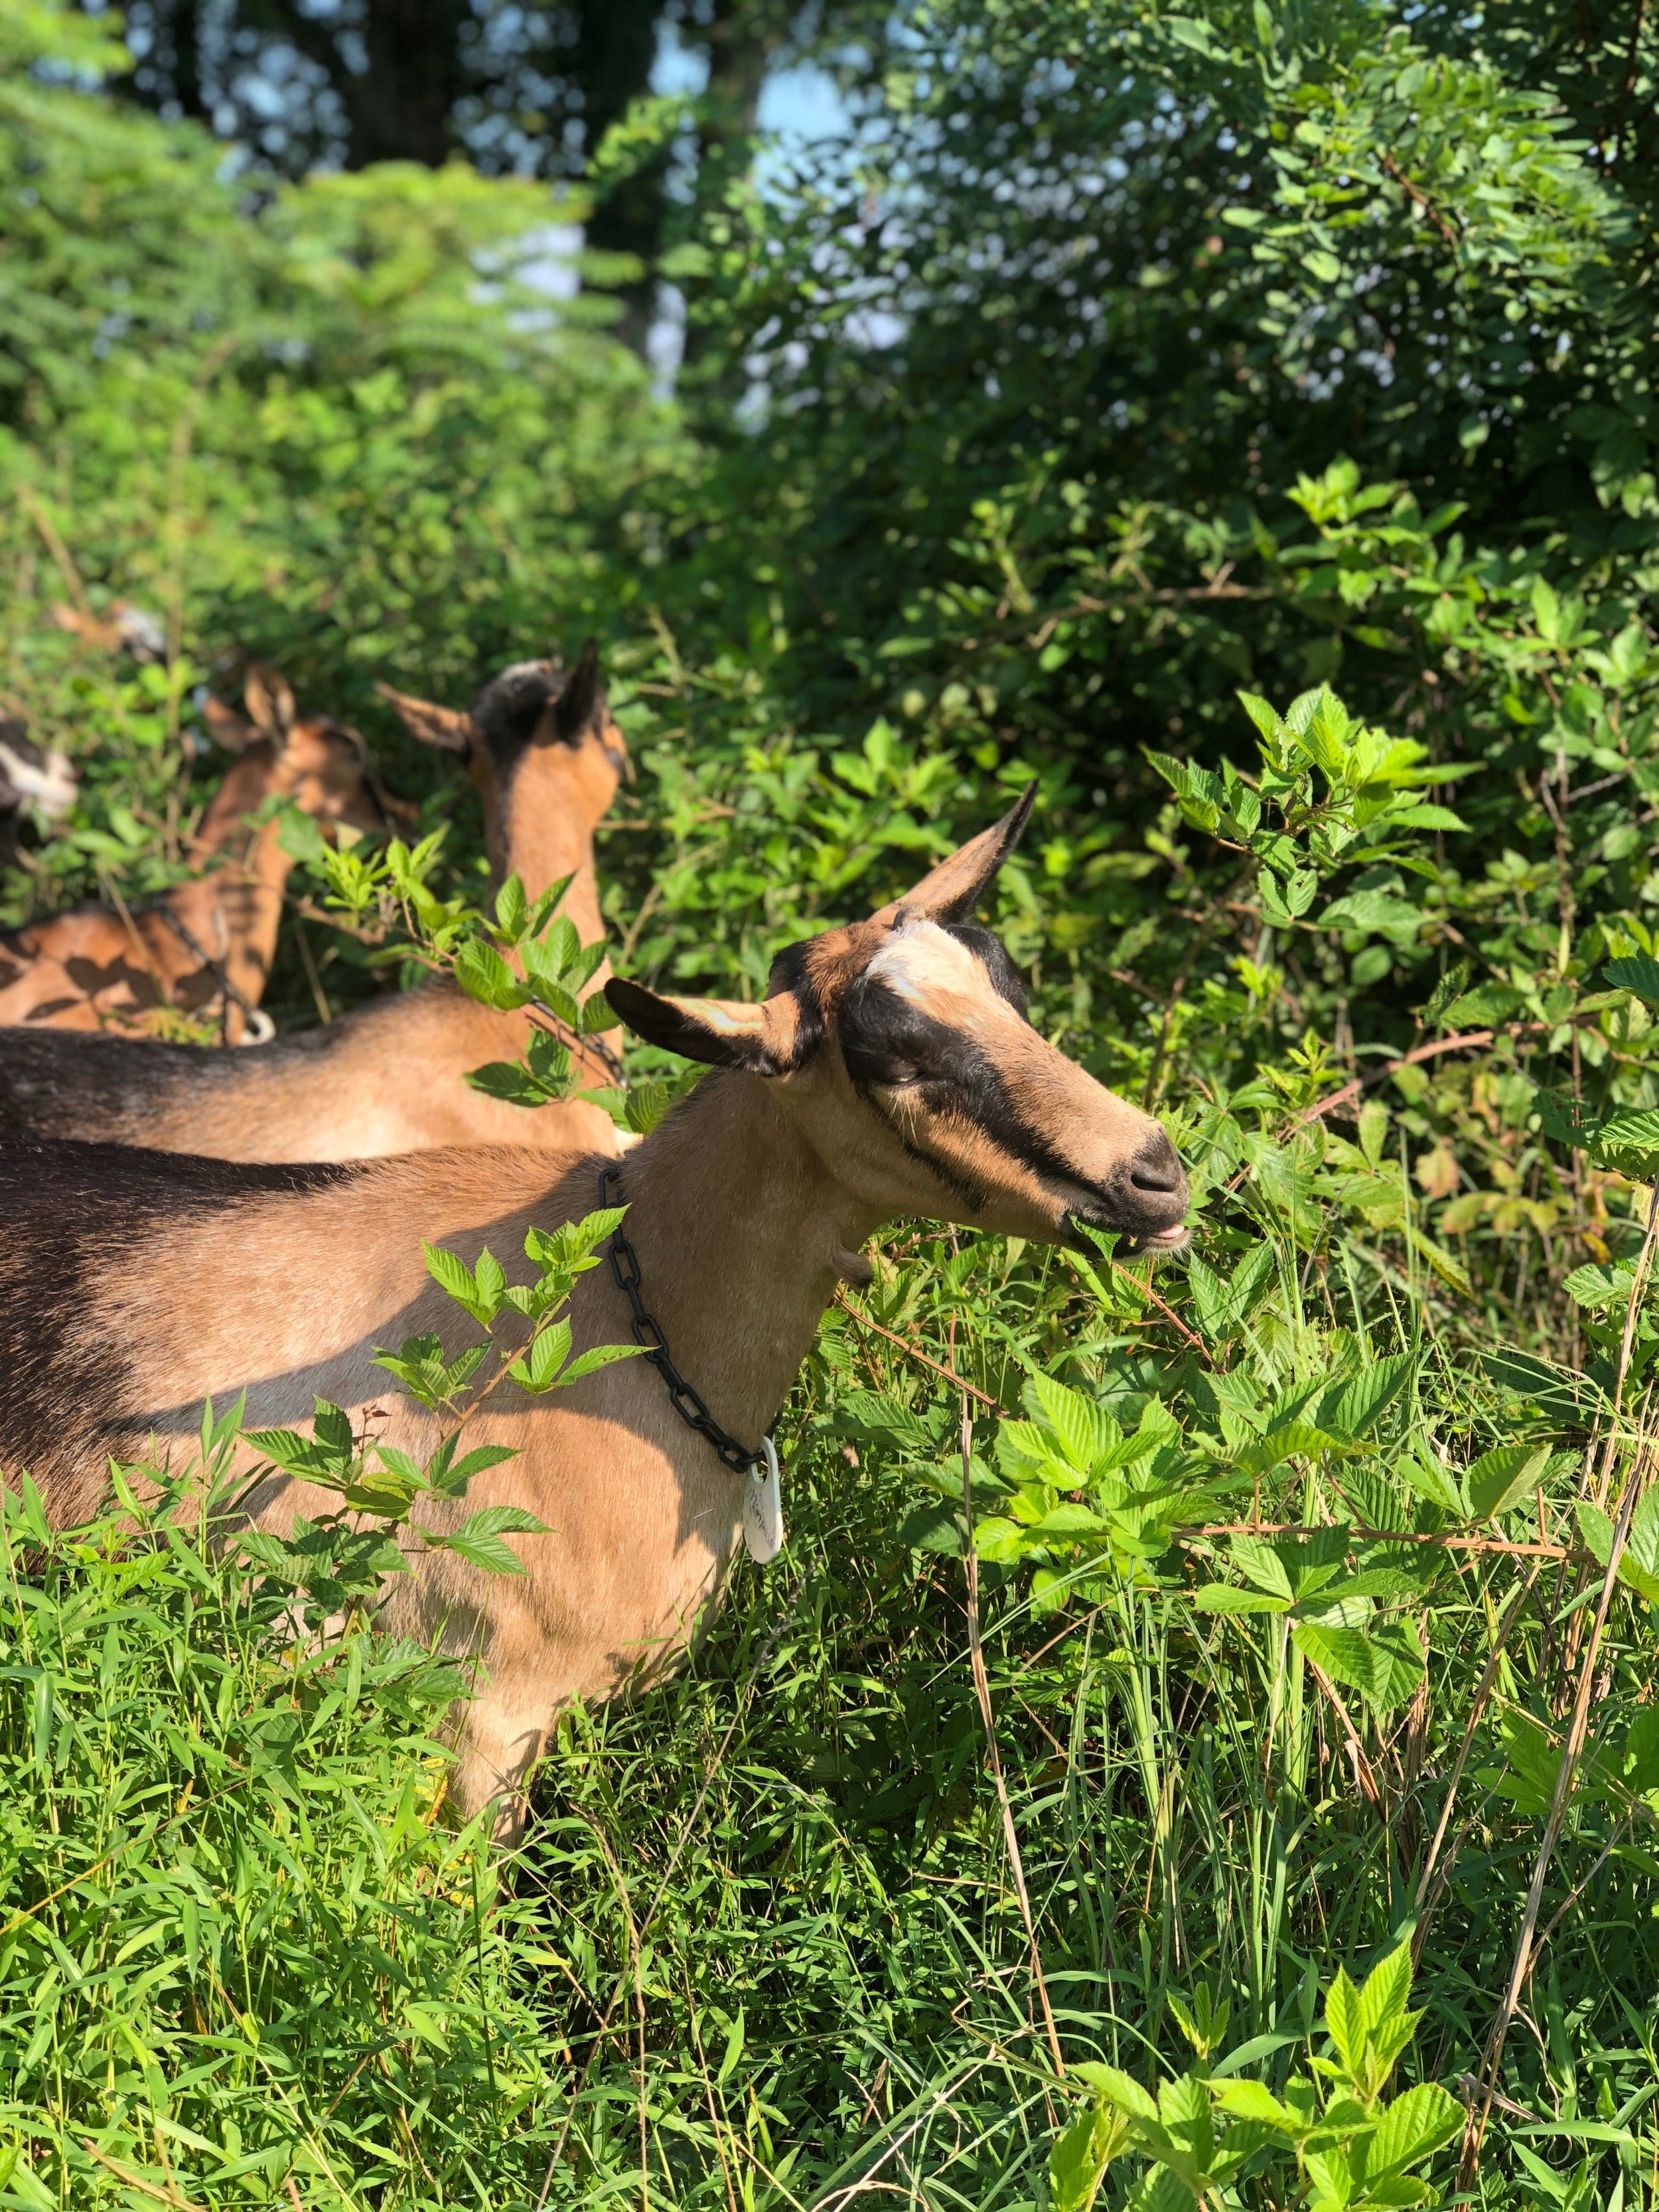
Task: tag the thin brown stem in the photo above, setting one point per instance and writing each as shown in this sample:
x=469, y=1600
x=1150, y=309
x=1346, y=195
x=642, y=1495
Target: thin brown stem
x=61, y=557
x=1363, y=1773
x=1418, y=197
x=307, y=960
x=914, y=1352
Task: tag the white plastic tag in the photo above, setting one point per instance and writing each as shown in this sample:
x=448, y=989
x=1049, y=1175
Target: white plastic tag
x=763, y=1508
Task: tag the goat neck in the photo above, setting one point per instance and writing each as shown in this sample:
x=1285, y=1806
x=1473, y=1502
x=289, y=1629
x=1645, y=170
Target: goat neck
x=246, y=784
x=545, y=817
x=742, y=1233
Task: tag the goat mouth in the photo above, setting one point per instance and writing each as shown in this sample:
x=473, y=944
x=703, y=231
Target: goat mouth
x=1174, y=1237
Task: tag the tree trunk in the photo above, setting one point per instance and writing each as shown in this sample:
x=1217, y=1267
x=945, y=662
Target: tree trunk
x=400, y=108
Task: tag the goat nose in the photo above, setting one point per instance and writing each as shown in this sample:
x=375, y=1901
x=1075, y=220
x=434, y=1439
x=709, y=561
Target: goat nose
x=1156, y=1170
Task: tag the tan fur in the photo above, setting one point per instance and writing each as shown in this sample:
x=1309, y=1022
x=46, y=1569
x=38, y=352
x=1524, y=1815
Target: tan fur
x=745, y=1207
x=91, y=968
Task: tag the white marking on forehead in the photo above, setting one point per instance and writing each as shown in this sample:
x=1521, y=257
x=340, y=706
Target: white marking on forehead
x=920, y=958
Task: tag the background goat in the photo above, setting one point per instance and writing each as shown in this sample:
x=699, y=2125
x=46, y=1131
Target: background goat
x=892, y=1071
x=386, y=1078
x=207, y=945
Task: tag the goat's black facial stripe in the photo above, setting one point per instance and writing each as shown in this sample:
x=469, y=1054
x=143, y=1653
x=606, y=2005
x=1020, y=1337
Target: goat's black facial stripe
x=886, y=1041
x=972, y=1194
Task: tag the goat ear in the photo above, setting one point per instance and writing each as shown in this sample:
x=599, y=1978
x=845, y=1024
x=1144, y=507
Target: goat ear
x=722, y=1032
x=951, y=891
x=580, y=704
x=446, y=727
x=269, y=703
x=226, y=727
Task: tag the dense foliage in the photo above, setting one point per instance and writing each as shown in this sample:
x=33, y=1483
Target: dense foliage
x=1112, y=365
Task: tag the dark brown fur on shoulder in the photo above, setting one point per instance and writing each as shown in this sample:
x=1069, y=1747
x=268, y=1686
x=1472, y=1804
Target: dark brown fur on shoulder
x=71, y=1215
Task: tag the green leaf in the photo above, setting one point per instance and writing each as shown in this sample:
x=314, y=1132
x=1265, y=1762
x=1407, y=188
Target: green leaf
x=1224, y=1305
x=1484, y=1007
x=1352, y=1409
x=998, y=1540
x=452, y=1475
x=1422, y=815
x=386, y=1491
x=1383, y=1663
x=515, y=1084
x=1639, y=974
x=331, y=1426
x=1081, y=1428
x=1254, y=2100
x=1295, y=1440
x=1596, y=1530
x=1595, y=1287
x=1415, y=2124
x=1118, y=2088
x=1564, y=1119
x=1345, y=2022
x=456, y=1280
x=294, y=1454
x=511, y=909
x=1265, y=1564
x=937, y=1527
x=596, y=1357
x=478, y=1538
x=1222, y=1597
x=1371, y=910
x=1636, y=1130
x=483, y=974
x=1499, y=1479
x=1641, y=1755
x=570, y=1248
x=1192, y=31
x=1069, y=1522
x=538, y=1367
x=490, y=1278
x=1080, y=2155
x=1533, y=1763
x=1385, y=1992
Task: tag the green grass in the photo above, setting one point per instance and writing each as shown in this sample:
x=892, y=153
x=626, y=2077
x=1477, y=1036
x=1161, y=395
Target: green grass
x=763, y=1947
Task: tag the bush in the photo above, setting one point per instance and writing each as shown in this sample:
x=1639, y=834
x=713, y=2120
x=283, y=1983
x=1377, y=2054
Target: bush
x=1302, y=357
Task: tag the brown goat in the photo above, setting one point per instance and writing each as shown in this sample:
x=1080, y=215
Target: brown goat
x=388, y=1077
x=206, y=945
x=892, y=1071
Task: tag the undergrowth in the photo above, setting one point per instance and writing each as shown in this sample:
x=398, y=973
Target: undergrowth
x=1244, y=431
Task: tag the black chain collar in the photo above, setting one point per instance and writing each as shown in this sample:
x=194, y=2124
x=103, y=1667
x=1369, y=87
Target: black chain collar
x=648, y=1332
